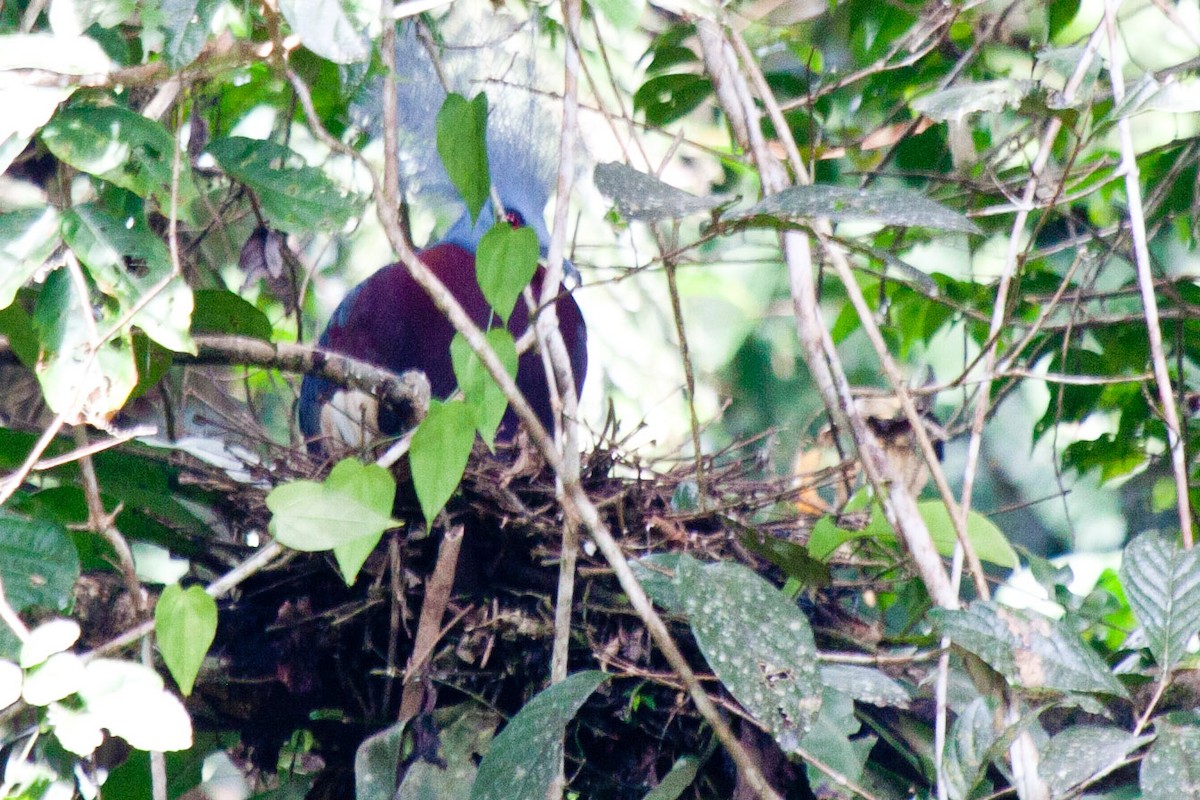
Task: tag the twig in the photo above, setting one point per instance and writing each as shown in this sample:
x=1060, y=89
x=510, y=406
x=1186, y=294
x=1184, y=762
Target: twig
x=841, y=265
x=13, y=480
x=433, y=609
x=101, y=523
x=218, y=588
x=1141, y=257
x=9, y=616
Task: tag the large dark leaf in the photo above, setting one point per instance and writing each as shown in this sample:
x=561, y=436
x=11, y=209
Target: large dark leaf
x=1162, y=582
x=125, y=148
x=295, y=198
x=843, y=204
x=1029, y=650
x=524, y=759
x=757, y=642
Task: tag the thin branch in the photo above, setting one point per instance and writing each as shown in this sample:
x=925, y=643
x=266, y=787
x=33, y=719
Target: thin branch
x=1141, y=257
x=258, y=561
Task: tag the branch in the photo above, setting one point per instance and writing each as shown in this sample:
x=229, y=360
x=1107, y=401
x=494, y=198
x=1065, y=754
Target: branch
x=1141, y=257
x=407, y=390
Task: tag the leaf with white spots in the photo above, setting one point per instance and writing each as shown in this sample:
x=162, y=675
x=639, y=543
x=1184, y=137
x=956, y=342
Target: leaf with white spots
x=835, y=739
x=656, y=574
x=1029, y=650
x=967, y=757
x=525, y=757
x=865, y=684
x=1170, y=770
x=1084, y=752
x=461, y=744
x=757, y=642
x=1161, y=579
x=846, y=204
x=644, y=197
x=375, y=763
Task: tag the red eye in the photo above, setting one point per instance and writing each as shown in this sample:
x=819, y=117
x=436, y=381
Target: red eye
x=514, y=218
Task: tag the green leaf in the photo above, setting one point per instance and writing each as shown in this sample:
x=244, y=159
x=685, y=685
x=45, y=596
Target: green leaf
x=375, y=763
x=479, y=389
x=1160, y=579
x=644, y=197
x=185, y=623
x=151, y=360
x=623, y=14
x=791, y=557
x=16, y=325
x=966, y=758
x=222, y=311
x=524, y=759
x=462, y=146
x=295, y=198
x=844, y=204
x=958, y=101
x=186, y=25
x=865, y=684
x=656, y=573
x=504, y=265
x=1060, y=13
x=1082, y=752
x=38, y=563
x=27, y=238
x=85, y=385
x=757, y=642
x=124, y=148
x=438, y=455
x=333, y=29
x=1170, y=770
x=667, y=98
x=462, y=743
x=128, y=262
x=351, y=555
x=1029, y=650
x=354, y=502
x=830, y=740
x=989, y=541
x=675, y=783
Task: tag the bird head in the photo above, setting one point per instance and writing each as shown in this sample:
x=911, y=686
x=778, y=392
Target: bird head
x=493, y=55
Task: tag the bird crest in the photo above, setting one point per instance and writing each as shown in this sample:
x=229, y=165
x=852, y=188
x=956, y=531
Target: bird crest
x=491, y=53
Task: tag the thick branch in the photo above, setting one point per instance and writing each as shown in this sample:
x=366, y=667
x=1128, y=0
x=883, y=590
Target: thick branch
x=407, y=390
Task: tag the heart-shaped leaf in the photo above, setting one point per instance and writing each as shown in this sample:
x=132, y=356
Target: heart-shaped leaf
x=462, y=145
x=480, y=390
x=185, y=623
x=354, y=502
x=439, y=452
x=504, y=265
